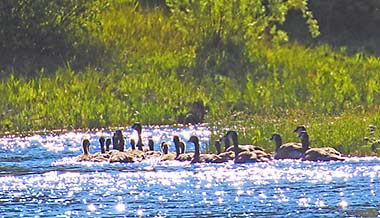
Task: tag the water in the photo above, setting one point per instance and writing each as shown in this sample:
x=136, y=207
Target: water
x=38, y=178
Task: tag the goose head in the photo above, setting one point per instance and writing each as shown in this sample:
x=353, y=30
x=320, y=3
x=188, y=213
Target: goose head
x=277, y=139
x=164, y=147
x=299, y=129
x=151, y=144
x=108, y=143
x=101, y=141
x=181, y=145
x=137, y=126
x=86, y=147
x=194, y=139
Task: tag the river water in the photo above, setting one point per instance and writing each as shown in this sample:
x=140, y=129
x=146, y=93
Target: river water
x=39, y=178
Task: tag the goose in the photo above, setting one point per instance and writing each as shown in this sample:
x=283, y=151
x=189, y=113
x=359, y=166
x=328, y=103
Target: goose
x=291, y=150
x=103, y=155
x=300, y=129
x=248, y=153
x=318, y=154
x=203, y=158
x=260, y=153
x=86, y=154
x=233, y=135
x=108, y=143
x=137, y=127
x=118, y=140
x=227, y=155
x=166, y=155
x=121, y=156
x=181, y=154
x=133, y=144
x=152, y=153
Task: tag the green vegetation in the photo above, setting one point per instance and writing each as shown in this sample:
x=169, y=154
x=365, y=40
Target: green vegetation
x=153, y=62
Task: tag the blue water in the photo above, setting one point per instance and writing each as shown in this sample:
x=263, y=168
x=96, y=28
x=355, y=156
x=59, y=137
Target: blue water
x=39, y=178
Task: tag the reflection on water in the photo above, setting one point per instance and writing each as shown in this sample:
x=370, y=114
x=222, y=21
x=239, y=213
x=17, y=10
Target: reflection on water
x=38, y=177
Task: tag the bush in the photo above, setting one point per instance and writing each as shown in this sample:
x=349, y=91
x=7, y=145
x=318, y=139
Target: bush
x=39, y=33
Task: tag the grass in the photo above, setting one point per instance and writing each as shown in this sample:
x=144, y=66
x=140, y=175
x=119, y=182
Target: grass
x=150, y=75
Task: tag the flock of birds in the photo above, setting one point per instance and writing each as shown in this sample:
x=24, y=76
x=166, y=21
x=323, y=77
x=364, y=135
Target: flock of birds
x=235, y=152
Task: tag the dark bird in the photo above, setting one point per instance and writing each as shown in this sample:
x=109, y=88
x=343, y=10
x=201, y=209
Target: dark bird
x=181, y=154
x=203, y=158
x=318, y=154
x=246, y=153
x=290, y=150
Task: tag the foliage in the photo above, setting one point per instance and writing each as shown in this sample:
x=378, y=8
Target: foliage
x=225, y=32
x=36, y=32
x=157, y=65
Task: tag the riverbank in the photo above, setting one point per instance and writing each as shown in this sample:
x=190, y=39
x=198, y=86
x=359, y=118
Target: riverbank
x=152, y=70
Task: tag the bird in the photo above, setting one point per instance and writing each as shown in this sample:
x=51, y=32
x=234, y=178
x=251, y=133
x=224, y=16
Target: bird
x=181, y=154
x=233, y=135
x=86, y=154
x=137, y=127
x=103, y=155
x=291, y=150
x=203, y=158
x=247, y=150
x=120, y=155
x=166, y=155
x=108, y=143
x=318, y=154
x=118, y=140
x=299, y=129
x=227, y=155
x=152, y=153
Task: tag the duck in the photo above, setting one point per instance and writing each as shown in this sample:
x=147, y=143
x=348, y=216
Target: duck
x=318, y=154
x=227, y=155
x=181, y=154
x=137, y=127
x=166, y=155
x=233, y=135
x=203, y=158
x=290, y=150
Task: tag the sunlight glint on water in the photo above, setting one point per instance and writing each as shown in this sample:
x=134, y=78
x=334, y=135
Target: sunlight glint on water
x=39, y=176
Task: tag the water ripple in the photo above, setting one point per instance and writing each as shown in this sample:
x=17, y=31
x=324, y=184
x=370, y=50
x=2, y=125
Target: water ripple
x=39, y=177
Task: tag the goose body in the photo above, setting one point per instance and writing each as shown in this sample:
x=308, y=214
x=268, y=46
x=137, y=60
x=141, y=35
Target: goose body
x=86, y=154
x=291, y=150
x=253, y=154
x=318, y=154
x=152, y=153
x=240, y=148
x=227, y=155
x=166, y=155
x=203, y=158
x=181, y=149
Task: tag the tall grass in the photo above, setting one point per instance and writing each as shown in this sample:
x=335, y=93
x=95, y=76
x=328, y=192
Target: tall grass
x=149, y=77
